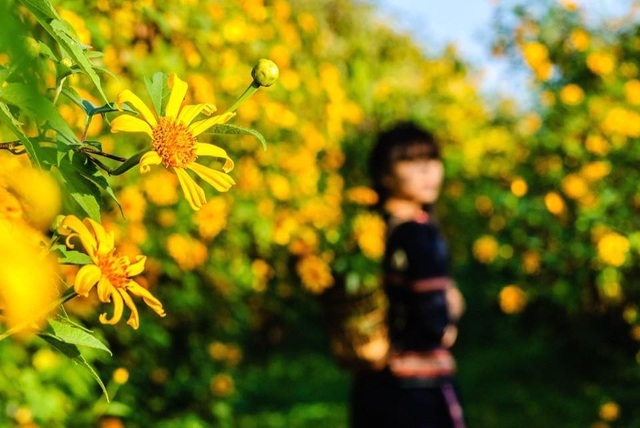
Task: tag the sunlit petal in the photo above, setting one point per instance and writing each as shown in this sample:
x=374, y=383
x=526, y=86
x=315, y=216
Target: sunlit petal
x=127, y=123
x=138, y=290
x=137, y=267
x=129, y=97
x=193, y=192
x=148, y=159
x=178, y=92
x=134, y=318
x=86, y=278
x=117, y=309
x=105, y=288
x=72, y=226
x=104, y=240
x=188, y=113
x=219, y=180
x=199, y=127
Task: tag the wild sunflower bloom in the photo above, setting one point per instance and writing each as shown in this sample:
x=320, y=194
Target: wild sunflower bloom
x=110, y=271
x=174, y=142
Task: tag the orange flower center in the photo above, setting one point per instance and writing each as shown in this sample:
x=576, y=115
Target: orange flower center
x=174, y=143
x=114, y=267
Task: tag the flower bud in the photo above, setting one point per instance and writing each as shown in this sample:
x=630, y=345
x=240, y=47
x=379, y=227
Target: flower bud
x=265, y=72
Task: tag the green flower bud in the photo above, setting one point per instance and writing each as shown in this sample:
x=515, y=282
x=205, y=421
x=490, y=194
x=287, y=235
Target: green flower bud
x=32, y=47
x=265, y=72
x=67, y=62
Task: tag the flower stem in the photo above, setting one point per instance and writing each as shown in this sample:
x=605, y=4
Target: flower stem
x=251, y=89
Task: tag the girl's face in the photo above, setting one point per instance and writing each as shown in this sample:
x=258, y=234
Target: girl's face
x=418, y=180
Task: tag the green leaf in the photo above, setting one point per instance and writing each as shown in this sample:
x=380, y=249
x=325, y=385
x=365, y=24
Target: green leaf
x=83, y=191
x=40, y=8
x=71, y=257
x=36, y=106
x=72, y=351
x=93, y=173
x=69, y=333
x=63, y=33
x=158, y=90
x=226, y=128
x=7, y=118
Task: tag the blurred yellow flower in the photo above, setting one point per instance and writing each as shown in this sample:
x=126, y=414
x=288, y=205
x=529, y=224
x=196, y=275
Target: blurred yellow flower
x=597, y=144
x=601, y=63
x=574, y=186
x=187, y=252
x=609, y=411
x=222, y=385
x=632, y=91
x=315, y=274
x=133, y=204
x=212, y=218
x=174, y=141
x=571, y=94
x=484, y=205
x=554, y=203
x=262, y=271
x=120, y=375
x=519, y=187
x=27, y=277
x=531, y=262
x=620, y=120
x=579, y=39
x=535, y=53
x=512, y=299
x=362, y=195
x=595, y=171
x=485, y=249
x=613, y=248
x=570, y=5
x=369, y=231
x=161, y=189
x=110, y=271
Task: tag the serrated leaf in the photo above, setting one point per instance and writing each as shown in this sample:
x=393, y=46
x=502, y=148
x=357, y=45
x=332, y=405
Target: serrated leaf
x=69, y=333
x=74, y=354
x=226, y=128
x=157, y=89
x=71, y=257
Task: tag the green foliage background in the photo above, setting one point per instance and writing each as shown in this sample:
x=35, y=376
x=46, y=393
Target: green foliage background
x=244, y=343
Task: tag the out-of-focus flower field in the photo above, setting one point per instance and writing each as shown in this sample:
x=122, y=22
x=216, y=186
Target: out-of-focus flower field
x=540, y=207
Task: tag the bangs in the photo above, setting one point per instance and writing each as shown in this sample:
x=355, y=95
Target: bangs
x=414, y=150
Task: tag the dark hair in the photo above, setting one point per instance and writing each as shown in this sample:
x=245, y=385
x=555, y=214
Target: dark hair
x=403, y=141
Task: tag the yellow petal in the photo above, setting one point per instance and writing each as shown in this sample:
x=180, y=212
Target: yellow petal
x=203, y=149
x=188, y=113
x=199, y=127
x=219, y=180
x=134, y=318
x=105, y=288
x=126, y=123
x=117, y=309
x=104, y=240
x=137, y=267
x=151, y=301
x=193, y=192
x=86, y=278
x=71, y=224
x=129, y=97
x=178, y=92
x=148, y=159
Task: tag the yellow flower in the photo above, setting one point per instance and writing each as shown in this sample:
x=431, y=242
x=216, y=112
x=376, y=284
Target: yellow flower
x=174, y=142
x=120, y=375
x=595, y=171
x=315, y=274
x=212, y=218
x=512, y=299
x=571, y=94
x=362, y=195
x=609, y=411
x=222, y=385
x=369, y=231
x=601, y=63
x=519, y=187
x=613, y=248
x=110, y=271
x=632, y=91
x=485, y=249
x=579, y=39
x=554, y=203
x=574, y=186
x=188, y=253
